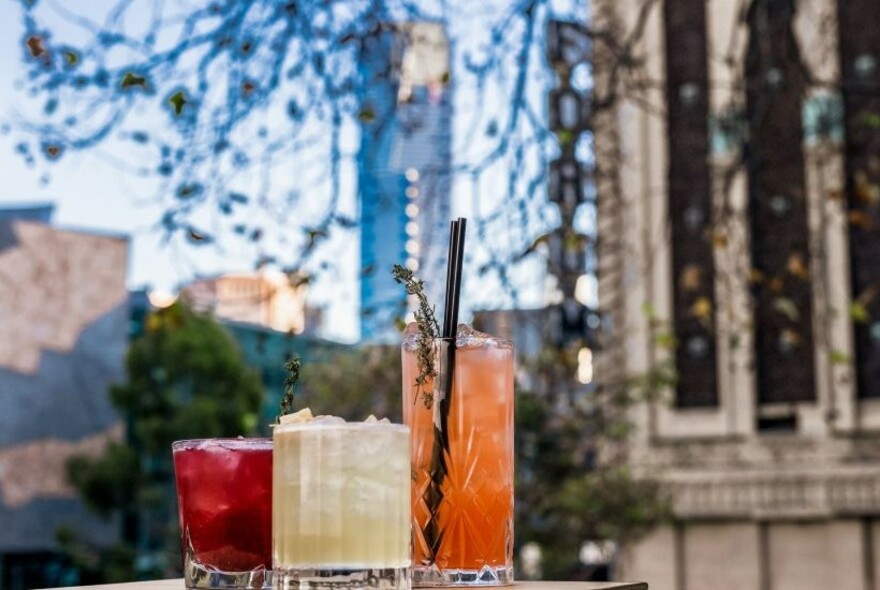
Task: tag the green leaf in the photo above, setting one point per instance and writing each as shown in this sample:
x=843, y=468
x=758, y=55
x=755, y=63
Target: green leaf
x=249, y=422
x=665, y=340
x=619, y=431
x=787, y=307
x=838, y=357
x=859, y=313
x=734, y=341
x=131, y=80
x=871, y=119
x=565, y=137
x=178, y=101
x=71, y=58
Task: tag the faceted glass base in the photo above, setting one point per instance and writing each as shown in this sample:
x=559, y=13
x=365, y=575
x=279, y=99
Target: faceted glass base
x=427, y=577
x=324, y=579
x=200, y=577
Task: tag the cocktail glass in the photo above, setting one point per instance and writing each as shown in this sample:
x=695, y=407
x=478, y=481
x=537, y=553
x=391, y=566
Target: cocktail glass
x=341, y=512
x=224, y=495
x=462, y=494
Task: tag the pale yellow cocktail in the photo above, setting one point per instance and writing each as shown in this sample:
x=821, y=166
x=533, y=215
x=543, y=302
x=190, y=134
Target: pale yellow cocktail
x=341, y=504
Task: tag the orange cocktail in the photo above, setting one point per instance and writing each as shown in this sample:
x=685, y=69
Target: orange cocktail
x=462, y=502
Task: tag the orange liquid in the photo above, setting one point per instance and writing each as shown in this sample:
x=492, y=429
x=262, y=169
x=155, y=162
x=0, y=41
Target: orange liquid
x=475, y=518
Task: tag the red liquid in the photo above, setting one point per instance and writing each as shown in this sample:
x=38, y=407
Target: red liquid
x=224, y=493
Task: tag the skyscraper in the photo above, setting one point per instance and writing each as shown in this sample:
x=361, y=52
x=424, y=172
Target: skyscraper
x=403, y=168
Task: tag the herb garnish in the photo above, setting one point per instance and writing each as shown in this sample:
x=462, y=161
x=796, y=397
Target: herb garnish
x=428, y=329
x=293, y=366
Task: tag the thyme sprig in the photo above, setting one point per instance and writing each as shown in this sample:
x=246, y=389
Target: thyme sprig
x=428, y=330
x=293, y=367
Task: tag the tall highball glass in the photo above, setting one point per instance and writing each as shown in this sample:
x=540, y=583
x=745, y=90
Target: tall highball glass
x=462, y=462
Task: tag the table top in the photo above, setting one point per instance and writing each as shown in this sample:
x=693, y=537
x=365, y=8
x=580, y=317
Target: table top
x=178, y=585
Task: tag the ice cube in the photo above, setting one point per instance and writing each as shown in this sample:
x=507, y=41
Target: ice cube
x=301, y=417
x=216, y=546
x=411, y=335
x=326, y=419
x=468, y=336
x=371, y=445
x=205, y=445
x=369, y=491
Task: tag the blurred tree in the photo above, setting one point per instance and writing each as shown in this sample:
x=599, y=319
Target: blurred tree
x=572, y=483
x=186, y=379
x=354, y=384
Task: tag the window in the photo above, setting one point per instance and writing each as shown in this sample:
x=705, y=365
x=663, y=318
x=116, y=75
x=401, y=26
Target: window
x=690, y=201
x=783, y=306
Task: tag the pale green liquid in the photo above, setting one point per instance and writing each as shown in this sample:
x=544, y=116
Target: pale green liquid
x=341, y=496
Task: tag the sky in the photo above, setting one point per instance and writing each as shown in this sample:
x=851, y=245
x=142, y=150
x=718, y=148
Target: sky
x=89, y=193
x=93, y=194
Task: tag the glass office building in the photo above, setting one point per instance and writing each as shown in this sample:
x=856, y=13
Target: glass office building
x=403, y=168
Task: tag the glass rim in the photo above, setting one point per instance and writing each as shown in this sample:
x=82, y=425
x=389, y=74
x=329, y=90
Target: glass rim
x=493, y=341
x=394, y=426
x=189, y=444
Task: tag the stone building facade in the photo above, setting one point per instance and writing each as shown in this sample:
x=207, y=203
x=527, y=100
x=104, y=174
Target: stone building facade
x=738, y=159
x=64, y=320
x=269, y=298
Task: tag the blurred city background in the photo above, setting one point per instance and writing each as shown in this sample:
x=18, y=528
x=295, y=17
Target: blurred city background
x=673, y=210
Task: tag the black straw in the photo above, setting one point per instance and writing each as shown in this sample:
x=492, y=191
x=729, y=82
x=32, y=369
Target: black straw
x=445, y=379
x=453, y=276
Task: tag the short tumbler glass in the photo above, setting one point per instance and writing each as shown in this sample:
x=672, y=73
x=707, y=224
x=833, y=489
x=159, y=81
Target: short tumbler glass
x=224, y=496
x=462, y=461
x=341, y=506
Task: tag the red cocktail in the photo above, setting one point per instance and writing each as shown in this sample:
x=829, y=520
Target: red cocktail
x=224, y=494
